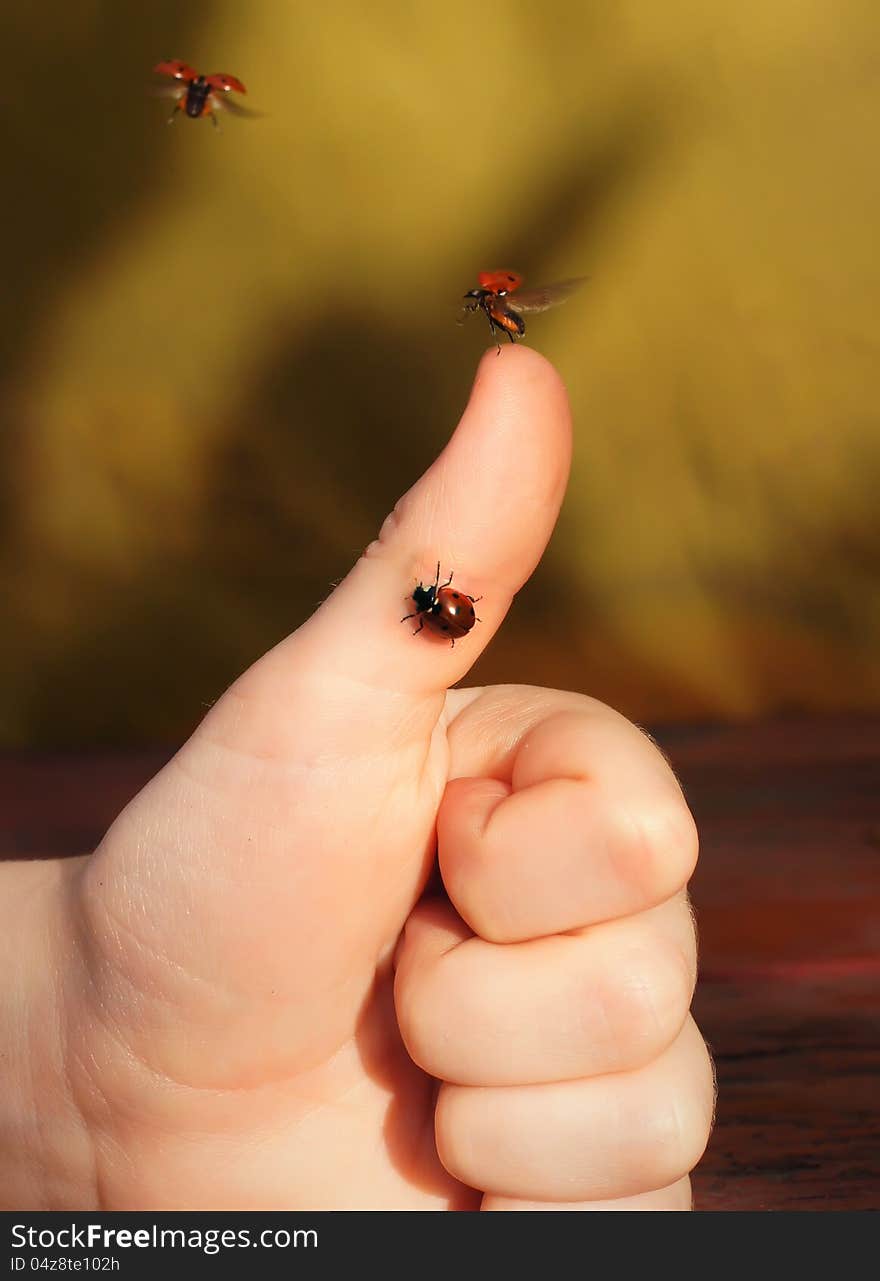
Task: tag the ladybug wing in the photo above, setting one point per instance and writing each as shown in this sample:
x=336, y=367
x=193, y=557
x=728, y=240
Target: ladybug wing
x=502, y=281
x=224, y=83
x=541, y=299
x=174, y=67
x=223, y=102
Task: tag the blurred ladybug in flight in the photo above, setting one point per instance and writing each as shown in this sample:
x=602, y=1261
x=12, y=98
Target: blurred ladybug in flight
x=505, y=312
x=443, y=609
x=199, y=95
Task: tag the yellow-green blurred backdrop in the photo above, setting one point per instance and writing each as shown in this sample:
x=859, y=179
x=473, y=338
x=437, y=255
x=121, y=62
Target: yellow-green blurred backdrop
x=225, y=354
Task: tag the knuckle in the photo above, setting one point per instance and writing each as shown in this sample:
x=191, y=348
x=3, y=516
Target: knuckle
x=646, y=1003
x=692, y=1106
x=673, y=1128
x=658, y=847
x=656, y=997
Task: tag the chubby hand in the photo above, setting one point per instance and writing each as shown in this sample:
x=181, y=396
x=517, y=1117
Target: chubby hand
x=255, y=995
x=550, y=995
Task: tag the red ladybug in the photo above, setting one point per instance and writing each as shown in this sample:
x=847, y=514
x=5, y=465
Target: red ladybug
x=201, y=95
x=504, y=312
x=443, y=609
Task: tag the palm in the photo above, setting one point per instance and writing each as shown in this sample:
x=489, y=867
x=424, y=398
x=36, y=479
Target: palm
x=258, y=977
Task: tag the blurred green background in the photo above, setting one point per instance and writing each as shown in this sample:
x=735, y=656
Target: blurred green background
x=223, y=355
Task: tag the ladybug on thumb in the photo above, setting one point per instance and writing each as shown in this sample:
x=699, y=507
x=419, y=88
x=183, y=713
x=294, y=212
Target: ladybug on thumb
x=443, y=609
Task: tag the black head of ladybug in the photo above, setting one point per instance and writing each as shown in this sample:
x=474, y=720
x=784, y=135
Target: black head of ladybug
x=425, y=598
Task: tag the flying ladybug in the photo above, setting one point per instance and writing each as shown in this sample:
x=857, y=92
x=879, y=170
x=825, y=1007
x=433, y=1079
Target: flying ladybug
x=504, y=312
x=200, y=95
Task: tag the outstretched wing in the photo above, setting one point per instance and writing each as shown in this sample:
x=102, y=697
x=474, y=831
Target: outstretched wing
x=225, y=83
x=541, y=299
x=223, y=102
x=174, y=67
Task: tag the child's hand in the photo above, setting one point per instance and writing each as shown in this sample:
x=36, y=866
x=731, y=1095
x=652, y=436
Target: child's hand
x=552, y=996
x=205, y=1013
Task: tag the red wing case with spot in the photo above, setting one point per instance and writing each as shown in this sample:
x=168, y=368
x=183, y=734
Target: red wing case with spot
x=501, y=281
x=224, y=83
x=174, y=67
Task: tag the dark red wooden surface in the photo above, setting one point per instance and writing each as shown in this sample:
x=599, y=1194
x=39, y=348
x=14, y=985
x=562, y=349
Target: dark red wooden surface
x=787, y=894
x=788, y=900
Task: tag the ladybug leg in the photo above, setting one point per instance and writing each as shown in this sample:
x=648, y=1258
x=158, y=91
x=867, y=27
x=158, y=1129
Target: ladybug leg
x=177, y=106
x=492, y=327
x=473, y=600
x=446, y=584
x=437, y=580
x=419, y=628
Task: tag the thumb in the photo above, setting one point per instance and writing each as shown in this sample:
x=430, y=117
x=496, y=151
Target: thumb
x=484, y=510
x=274, y=860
